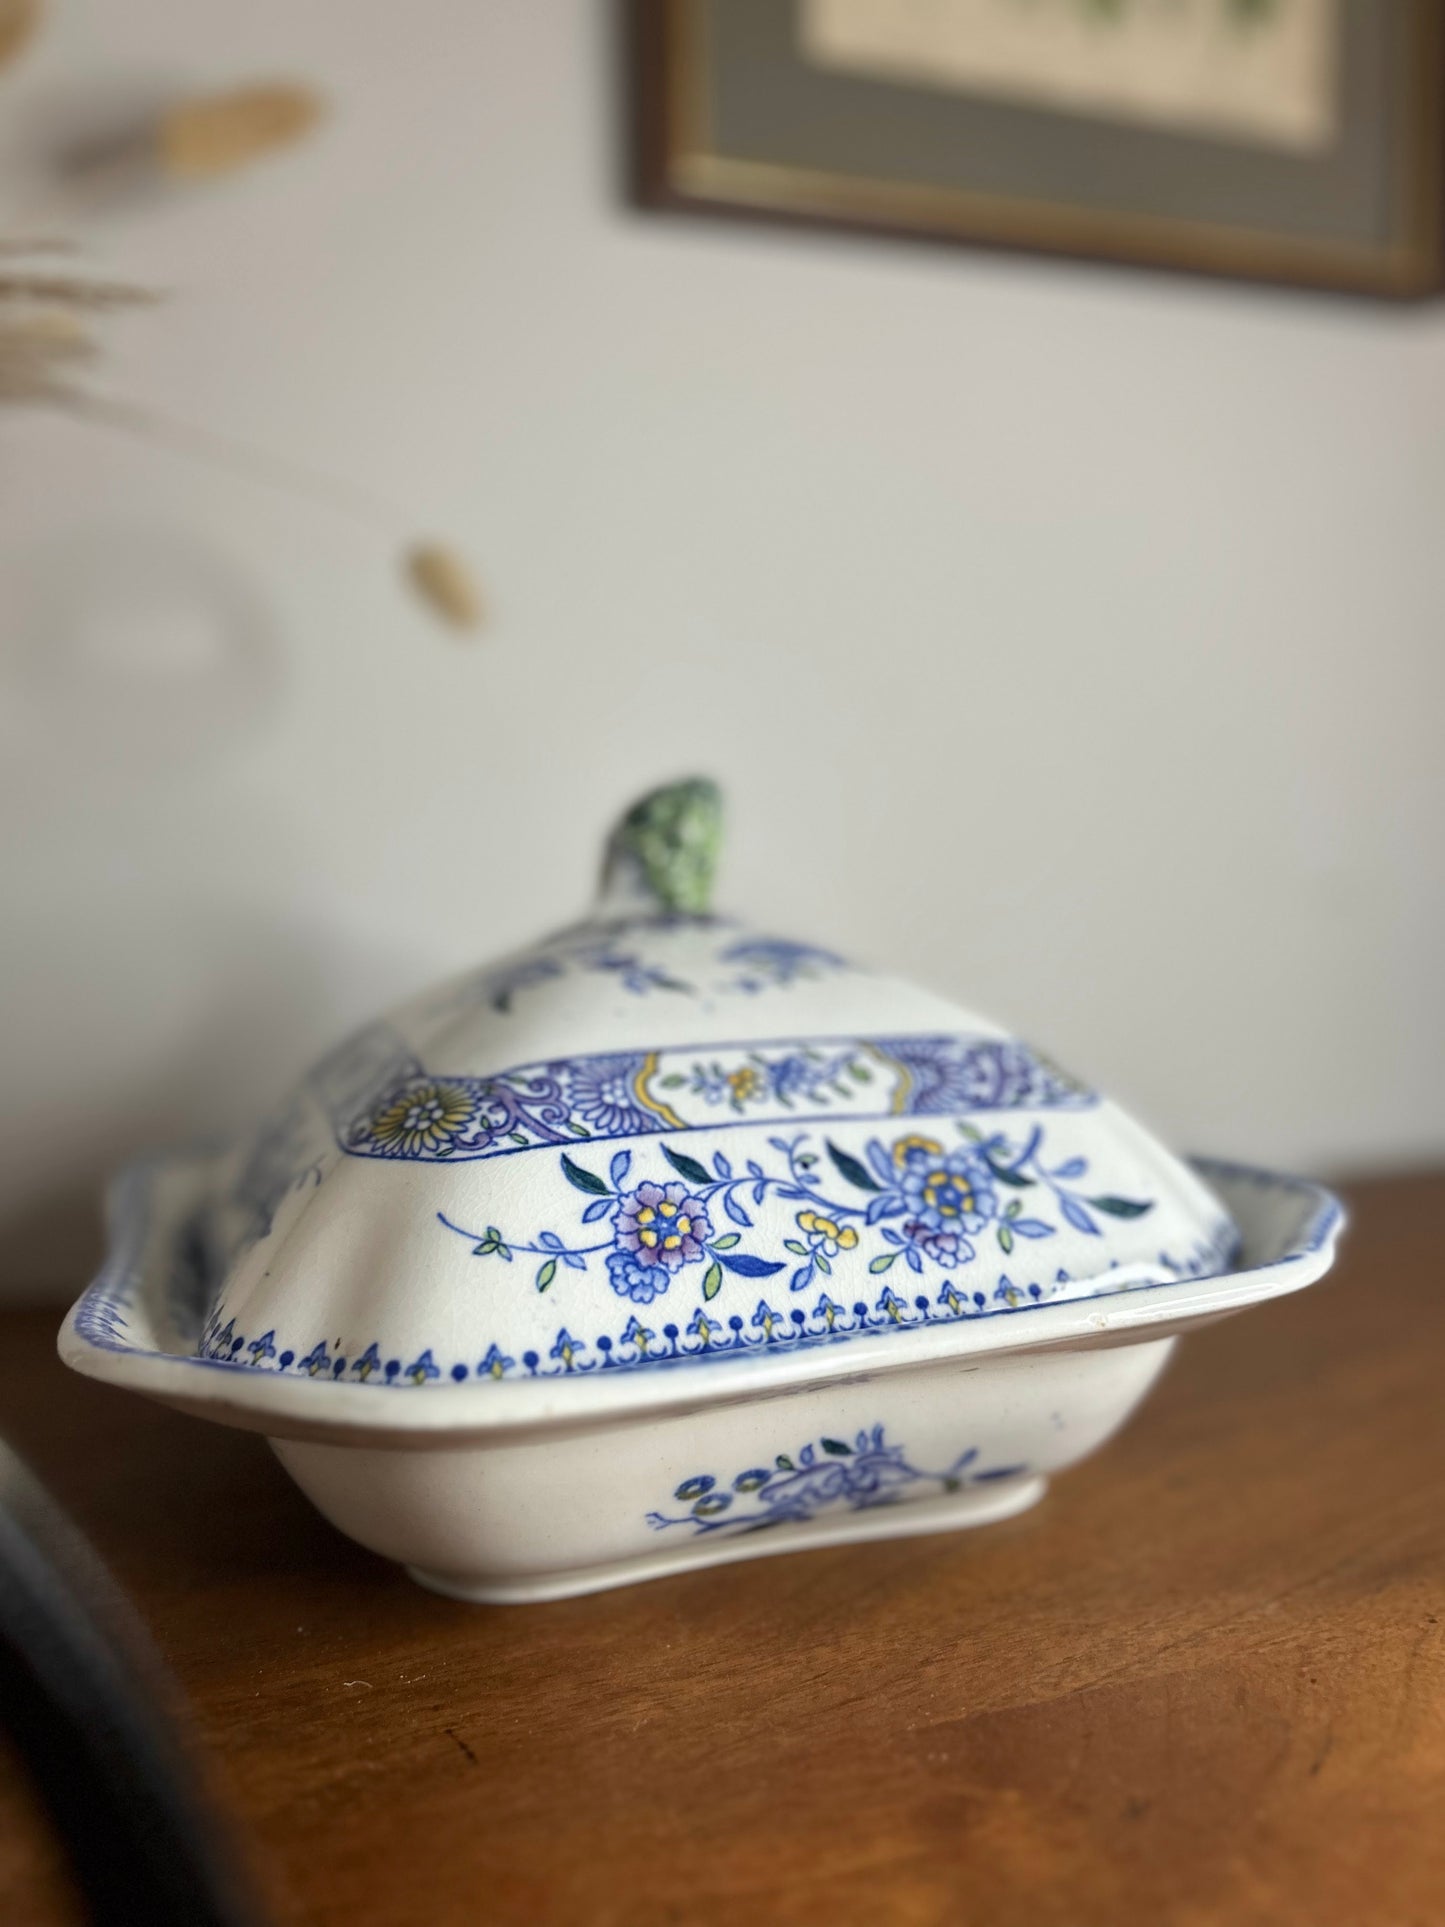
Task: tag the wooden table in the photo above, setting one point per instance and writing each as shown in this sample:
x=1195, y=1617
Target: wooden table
x=1203, y=1682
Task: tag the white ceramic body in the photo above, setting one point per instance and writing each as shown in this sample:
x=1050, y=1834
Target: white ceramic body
x=550, y=1486
x=567, y=1511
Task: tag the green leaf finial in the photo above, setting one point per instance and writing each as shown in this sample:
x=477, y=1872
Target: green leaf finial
x=664, y=851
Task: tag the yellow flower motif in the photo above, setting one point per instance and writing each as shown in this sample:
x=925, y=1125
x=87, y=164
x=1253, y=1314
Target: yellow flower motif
x=745, y=1083
x=826, y=1236
x=930, y=1145
x=423, y=1121
x=949, y=1195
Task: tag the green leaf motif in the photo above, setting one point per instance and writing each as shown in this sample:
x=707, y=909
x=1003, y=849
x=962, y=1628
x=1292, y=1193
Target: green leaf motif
x=1005, y=1238
x=1121, y=1207
x=584, y=1180
x=546, y=1274
x=712, y=1282
x=1005, y=1176
x=685, y=1166
x=727, y=1243
x=784, y=1463
x=851, y=1168
x=883, y=1262
x=837, y=1448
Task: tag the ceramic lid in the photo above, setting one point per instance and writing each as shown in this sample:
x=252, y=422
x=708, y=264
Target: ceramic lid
x=661, y=1135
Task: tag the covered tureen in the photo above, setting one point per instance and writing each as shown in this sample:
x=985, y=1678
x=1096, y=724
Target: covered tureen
x=668, y=1242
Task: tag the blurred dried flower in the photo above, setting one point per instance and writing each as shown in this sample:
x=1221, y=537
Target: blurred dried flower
x=218, y=133
x=18, y=20
x=70, y=290
x=42, y=335
x=444, y=582
x=38, y=349
x=195, y=140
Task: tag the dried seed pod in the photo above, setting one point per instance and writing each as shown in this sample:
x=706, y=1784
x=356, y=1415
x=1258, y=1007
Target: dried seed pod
x=444, y=582
x=18, y=21
x=219, y=133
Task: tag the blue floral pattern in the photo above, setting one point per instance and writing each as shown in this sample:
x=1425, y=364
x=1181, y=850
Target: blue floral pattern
x=943, y=1199
x=765, y=963
x=103, y=1315
x=825, y=1475
x=390, y=1107
x=702, y=1338
x=1003, y=1075
x=618, y=948
x=833, y=1219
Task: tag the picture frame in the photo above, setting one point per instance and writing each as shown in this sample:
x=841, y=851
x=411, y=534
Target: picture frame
x=1324, y=169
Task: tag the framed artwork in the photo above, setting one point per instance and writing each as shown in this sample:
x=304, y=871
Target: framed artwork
x=1298, y=141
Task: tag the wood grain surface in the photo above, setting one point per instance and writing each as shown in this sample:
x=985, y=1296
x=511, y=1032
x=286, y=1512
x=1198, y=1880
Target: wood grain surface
x=1203, y=1682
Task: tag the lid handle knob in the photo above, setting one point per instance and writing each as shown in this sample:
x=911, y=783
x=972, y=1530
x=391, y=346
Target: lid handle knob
x=663, y=852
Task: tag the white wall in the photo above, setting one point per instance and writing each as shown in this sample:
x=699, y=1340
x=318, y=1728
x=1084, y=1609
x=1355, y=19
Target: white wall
x=1067, y=638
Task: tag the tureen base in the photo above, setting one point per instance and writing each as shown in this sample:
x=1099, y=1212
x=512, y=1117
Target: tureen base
x=569, y=1482
x=545, y=1514
x=950, y=1512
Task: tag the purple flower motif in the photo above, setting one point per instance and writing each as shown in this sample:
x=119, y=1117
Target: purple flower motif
x=603, y=1093
x=951, y=1192
x=659, y=1227
x=946, y=1248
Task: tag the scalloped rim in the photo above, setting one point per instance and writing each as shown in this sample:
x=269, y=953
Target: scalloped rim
x=1281, y=1253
